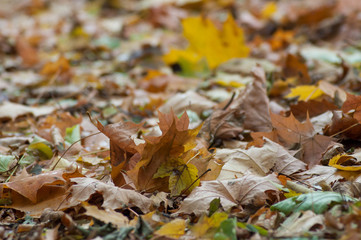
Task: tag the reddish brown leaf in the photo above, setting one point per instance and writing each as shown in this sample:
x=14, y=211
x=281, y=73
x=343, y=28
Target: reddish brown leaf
x=294, y=67
x=124, y=152
x=353, y=105
x=30, y=185
x=312, y=107
x=28, y=53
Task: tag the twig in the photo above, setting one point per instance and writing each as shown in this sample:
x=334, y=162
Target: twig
x=62, y=155
x=186, y=189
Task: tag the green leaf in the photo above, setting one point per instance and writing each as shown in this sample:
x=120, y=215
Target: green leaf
x=214, y=206
x=42, y=147
x=142, y=228
x=5, y=161
x=318, y=202
x=120, y=234
x=227, y=230
x=253, y=228
x=72, y=134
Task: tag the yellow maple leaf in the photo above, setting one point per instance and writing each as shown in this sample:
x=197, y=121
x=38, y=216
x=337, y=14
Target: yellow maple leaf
x=305, y=92
x=173, y=229
x=337, y=160
x=207, y=41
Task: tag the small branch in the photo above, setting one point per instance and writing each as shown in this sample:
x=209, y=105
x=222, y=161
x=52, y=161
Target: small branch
x=185, y=190
x=62, y=155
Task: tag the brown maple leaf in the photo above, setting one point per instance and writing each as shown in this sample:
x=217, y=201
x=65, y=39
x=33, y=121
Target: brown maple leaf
x=176, y=139
x=124, y=152
x=291, y=133
x=353, y=105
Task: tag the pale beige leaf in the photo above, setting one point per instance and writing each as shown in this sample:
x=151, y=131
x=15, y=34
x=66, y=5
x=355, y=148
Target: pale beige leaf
x=258, y=161
x=9, y=110
x=249, y=189
x=114, y=197
x=106, y=215
x=299, y=223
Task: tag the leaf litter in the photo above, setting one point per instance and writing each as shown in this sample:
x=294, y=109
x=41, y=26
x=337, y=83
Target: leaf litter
x=180, y=119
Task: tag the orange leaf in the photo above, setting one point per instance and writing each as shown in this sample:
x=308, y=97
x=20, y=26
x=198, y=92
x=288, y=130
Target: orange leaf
x=353, y=104
x=29, y=186
x=28, y=54
x=61, y=65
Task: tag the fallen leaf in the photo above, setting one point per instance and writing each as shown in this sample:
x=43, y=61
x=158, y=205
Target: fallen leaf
x=205, y=224
x=30, y=185
x=106, y=215
x=318, y=202
x=10, y=110
x=173, y=229
x=338, y=160
x=175, y=141
x=216, y=46
x=294, y=67
x=248, y=189
x=298, y=223
x=189, y=100
x=28, y=53
x=352, y=105
x=180, y=175
x=124, y=152
x=114, y=197
x=312, y=108
x=268, y=10
x=258, y=161
x=60, y=66
x=305, y=92
x=291, y=132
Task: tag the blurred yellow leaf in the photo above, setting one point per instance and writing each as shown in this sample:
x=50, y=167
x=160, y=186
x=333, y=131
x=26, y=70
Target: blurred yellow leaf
x=173, y=229
x=205, y=223
x=305, y=92
x=205, y=40
x=291, y=193
x=61, y=65
x=268, y=10
x=337, y=160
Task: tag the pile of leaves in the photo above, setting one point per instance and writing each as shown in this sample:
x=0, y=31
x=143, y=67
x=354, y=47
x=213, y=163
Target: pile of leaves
x=187, y=119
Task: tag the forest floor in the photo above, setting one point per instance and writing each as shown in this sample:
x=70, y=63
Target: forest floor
x=180, y=119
